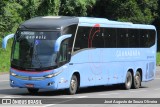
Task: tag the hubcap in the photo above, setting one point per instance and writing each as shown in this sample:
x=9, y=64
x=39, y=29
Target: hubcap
x=137, y=80
x=128, y=80
x=73, y=84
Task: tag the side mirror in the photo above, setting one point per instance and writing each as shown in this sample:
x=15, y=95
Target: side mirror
x=59, y=40
x=5, y=40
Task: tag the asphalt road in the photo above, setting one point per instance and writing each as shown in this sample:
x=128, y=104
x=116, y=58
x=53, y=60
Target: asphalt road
x=148, y=90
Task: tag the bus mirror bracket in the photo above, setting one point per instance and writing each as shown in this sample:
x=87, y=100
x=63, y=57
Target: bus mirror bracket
x=5, y=40
x=59, y=40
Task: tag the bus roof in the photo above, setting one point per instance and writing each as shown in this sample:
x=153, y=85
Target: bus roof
x=90, y=21
x=58, y=22
x=49, y=22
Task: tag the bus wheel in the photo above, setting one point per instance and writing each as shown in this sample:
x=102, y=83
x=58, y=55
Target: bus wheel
x=73, y=85
x=128, y=81
x=33, y=90
x=137, y=80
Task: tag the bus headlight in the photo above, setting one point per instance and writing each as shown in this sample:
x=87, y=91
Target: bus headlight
x=49, y=76
x=53, y=75
x=13, y=74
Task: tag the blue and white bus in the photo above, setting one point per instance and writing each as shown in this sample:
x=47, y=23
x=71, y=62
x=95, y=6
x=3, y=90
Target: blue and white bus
x=61, y=52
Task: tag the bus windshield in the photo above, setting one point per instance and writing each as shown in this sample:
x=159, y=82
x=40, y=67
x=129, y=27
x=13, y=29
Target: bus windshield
x=34, y=50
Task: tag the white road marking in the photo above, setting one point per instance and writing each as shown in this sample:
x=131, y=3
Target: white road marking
x=77, y=97
x=8, y=97
x=157, y=89
x=110, y=94
x=137, y=91
x=11, y=97
x=48, y=105
x=82, y=96
x=68, y=97
x=20, y=106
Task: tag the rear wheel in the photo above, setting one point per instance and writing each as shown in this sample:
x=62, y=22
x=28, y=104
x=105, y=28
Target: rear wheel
x=128, y=81
x=33, y=90
x=73, y=85
x=137, y=80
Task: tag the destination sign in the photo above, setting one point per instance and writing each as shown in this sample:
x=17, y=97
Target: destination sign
x=38, y=35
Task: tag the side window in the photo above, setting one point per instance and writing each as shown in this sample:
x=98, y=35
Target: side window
x=151, y=38
x=63, y=53
x=122, y=38
x=109, y=37
x=81, y=38
x=70, y=30
x=133, y=38
x=143, y=38
x=97, y=38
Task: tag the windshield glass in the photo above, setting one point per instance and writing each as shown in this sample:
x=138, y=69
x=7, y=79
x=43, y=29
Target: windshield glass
x=34, y=49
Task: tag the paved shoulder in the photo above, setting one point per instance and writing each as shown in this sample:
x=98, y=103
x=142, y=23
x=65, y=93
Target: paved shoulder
x=4, y=77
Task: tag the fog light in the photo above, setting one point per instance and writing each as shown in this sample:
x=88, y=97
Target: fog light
x=50, y=83
x=12, y=82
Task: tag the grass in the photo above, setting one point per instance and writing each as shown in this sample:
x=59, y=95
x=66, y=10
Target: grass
x=158, y=58
x=5, y=57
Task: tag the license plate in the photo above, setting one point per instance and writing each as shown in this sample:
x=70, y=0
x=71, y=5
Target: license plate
x=30, y=85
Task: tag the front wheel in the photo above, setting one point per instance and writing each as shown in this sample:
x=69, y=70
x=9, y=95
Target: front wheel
x=137, y=80
x=73, y=85
x=33, y=90
x=128, y=81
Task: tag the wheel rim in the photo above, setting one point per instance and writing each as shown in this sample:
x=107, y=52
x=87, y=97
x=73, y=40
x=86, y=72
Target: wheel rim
x=137, y=80
x=129, y=80
x=73, y=84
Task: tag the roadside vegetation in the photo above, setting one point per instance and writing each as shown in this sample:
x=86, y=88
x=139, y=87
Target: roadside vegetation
x=5, y=57
x=158, y=58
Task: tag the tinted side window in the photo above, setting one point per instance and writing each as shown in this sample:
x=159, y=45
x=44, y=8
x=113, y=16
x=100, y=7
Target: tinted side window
x=63, y=55
x=70, y=30
x=114, y=37
x=122, y=37
x=151, y=38
x=143, y=37
x=81, y=38
x=96, y=37
x=110, y=37
x=133, y=38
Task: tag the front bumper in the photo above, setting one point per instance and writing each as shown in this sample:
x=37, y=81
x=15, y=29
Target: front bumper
x=35, y=82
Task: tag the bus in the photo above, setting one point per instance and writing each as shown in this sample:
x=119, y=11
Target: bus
x=66, y=52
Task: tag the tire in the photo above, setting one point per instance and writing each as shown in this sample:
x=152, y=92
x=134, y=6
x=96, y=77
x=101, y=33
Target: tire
x=128, y=81
x=33, y=90
x=137, y=81
x=73, y=85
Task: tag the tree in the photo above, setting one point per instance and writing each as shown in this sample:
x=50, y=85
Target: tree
x=29, y=8
x=9, y=17
x=76, y=7
x=48, y=7
x=136, y=11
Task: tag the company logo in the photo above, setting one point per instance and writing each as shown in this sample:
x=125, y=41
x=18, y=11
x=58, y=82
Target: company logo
x=6, y=101
x=128, y=53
